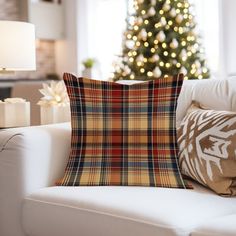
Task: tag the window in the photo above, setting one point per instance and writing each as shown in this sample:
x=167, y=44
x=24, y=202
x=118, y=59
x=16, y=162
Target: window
x=207, y=18
x=106, y=24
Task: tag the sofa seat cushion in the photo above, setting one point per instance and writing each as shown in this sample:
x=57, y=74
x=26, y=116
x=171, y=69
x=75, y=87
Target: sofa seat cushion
x=222, y=226
x=115, y=211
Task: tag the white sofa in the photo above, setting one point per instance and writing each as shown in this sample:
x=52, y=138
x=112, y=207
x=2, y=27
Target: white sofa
x=33, y=158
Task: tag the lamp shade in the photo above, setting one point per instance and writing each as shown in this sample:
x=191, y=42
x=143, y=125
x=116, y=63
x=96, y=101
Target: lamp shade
x=17, y=46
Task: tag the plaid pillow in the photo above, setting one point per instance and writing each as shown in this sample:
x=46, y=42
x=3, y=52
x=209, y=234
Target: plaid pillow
x=123, y=134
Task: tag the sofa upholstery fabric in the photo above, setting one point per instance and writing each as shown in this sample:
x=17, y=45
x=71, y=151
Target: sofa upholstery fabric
x=119, y=210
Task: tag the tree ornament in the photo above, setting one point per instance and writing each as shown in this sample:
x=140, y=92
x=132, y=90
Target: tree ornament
x=161, y=36
x=143, y=34
x=172, y=13
x=157, y=72
x=183, y=53
x=127, y=70
x=166, y=7
x=163, y=21
x=183, y=70
x=154, y=58
x=153, y=2
x=140, y=1
x=174, y=44
x=151, y=11
x=139, y=21
x=140, y=58
x=179, y=18
x=198, y=64
x=130, y=44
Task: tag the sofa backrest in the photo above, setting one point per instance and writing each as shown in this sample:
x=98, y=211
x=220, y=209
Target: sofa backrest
x=212, y=93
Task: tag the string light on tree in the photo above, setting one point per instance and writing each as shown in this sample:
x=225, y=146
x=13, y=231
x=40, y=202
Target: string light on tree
x=161, y=40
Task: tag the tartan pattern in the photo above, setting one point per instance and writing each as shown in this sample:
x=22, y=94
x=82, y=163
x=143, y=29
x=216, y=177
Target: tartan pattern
x=123, y=134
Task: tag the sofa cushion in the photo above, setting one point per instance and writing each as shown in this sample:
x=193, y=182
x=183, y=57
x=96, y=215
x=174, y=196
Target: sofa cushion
x=117, y=210
x=123, y=135
x=207, y=148
x=221, y=226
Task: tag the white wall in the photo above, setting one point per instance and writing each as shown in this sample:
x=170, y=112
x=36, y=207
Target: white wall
x=66, y=50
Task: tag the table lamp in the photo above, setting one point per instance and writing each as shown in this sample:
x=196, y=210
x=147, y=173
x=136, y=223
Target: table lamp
x=17, y=46
x=17, y=53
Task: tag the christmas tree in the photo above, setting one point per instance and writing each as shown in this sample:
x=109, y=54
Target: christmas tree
x=161, y=40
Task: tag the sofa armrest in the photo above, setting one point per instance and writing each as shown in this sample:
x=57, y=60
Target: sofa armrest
x=30, y=158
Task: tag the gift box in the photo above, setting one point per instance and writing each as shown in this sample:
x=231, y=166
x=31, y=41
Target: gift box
x=54, y=114
x=14, y=112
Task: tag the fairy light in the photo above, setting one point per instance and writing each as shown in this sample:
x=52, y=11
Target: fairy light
x=185, y=16
x=164, y=45
x=181, y=30
x=135, y=38
x=204, y=70
x=165, y=53
x=150, y=74
x=136, y=27
x=138, y=44
x=183, y=43
x=173, y=55
x=129, y=36
x=193, y=71
x=186, y=5
x=178, y=65
x=161, y=63
x=131, y=59
x=200, y=77
x=157, y=25
x=165, y=76
x=143, y=12
x=149, y=34
x=170, y=22
x=185, y=77
x=161, y=12
x=142, y=70
x=132, y=76
x=145, y=59
x=176, y=28
x=146, y=22
x=155, y=41
x=130, y=54
x=146, y=44
x=139, y=63
x=177, y=11
x=134, y=53
x=153, y=50
x=185, y=10
x=167, y=27
x=179, y=4
x=189, y=54
x=167, y=65
x=187, y=24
